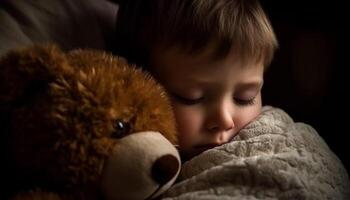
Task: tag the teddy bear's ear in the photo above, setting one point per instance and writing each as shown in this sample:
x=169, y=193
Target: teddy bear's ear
x=24, y=72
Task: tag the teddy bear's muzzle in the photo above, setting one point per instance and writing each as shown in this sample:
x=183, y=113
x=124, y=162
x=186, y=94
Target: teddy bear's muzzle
x=145, y=162
x=165, y=168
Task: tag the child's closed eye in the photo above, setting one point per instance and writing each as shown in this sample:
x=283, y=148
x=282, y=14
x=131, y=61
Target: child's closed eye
x=244, y=102
x=186, y=100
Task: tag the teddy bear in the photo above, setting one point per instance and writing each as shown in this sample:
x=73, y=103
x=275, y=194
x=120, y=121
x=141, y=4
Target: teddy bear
x=83, y=124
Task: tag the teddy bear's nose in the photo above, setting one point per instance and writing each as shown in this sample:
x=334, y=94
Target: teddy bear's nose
x=165, y=168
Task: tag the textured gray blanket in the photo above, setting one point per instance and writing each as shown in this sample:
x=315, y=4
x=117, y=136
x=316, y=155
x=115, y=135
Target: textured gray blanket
x=271, y=158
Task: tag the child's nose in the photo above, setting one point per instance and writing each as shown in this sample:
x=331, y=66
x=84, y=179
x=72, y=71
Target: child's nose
x=220, y=120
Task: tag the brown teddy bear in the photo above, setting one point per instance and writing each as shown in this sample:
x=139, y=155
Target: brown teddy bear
x=83, y=125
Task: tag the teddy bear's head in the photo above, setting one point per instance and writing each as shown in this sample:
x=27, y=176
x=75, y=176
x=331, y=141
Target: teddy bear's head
x=82, y=122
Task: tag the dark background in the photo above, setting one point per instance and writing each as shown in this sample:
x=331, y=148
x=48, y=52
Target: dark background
x=307, y=77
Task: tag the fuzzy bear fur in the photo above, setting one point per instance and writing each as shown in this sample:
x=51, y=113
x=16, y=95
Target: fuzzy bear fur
x=59, y=113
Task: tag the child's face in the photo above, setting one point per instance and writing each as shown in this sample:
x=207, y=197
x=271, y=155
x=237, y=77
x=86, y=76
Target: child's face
x=212, y=100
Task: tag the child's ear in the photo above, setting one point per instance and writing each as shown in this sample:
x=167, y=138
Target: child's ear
x=27, y=71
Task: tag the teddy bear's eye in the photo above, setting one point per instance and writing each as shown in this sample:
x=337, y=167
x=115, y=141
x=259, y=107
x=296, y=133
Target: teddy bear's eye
x=121, y=129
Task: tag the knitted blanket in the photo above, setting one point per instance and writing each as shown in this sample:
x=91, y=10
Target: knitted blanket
x=272, y=158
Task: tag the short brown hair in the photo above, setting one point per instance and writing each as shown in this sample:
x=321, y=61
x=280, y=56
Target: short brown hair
x=192, y=25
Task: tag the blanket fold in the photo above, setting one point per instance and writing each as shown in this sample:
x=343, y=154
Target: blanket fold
x=272, y=158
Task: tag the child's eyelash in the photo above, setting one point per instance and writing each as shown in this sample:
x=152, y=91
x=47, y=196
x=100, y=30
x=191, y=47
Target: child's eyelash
x=242, y=102
x=189, y=101
x=186, y=101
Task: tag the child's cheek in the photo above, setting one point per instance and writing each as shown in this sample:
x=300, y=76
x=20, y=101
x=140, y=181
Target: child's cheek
x=188, y=125
x=248, y=114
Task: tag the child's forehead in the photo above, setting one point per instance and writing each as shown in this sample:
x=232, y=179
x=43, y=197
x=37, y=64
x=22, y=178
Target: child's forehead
x=174, y=62
x=165, y=56
x=207, y=54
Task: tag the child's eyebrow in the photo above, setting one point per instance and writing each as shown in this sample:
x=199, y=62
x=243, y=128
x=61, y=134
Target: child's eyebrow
x=251, y=85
